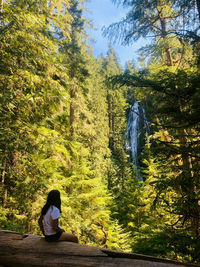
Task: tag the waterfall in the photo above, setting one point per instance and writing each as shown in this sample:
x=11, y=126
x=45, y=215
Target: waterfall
x=136, y=122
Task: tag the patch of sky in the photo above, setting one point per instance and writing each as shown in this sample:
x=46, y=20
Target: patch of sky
x=102, y=13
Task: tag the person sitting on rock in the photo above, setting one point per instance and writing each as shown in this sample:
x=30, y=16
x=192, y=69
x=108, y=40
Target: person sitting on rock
x=49, y=217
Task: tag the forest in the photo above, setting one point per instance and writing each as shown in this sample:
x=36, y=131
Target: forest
x=64, y=116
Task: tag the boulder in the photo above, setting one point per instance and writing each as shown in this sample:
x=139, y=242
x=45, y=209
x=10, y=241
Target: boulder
x=20, y=250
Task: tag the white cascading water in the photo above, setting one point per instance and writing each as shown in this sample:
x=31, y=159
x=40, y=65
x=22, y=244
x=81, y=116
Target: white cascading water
x=136, y=121
x=132, y=134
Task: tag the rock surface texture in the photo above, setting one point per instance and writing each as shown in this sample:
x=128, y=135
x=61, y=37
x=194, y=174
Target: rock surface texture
x=19, y=250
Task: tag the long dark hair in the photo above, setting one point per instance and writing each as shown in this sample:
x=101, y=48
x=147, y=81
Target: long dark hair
x=52, y=199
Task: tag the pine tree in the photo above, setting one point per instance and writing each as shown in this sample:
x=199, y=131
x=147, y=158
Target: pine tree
x=31, y=95
x=171, y=88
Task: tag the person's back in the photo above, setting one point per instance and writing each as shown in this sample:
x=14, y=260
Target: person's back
x=53, y=213
x=49, y=220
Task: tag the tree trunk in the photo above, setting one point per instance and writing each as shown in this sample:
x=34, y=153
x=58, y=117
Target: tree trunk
x=19, y=250
x=110, y=117
x=194, y=211
x=186, y=159
x=72, y=111
x=4, y=200
x=164, y=35
x=169, y=56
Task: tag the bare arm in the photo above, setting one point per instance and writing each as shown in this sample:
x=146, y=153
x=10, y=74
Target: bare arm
x=41, y=224
x=56, y=227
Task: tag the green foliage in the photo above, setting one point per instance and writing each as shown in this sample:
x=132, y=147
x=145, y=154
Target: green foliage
x=168, y=200
x=63, y=123
x=54, y=123
x=168, y=244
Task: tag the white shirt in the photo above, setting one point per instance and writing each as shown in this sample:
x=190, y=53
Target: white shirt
x=53, y=213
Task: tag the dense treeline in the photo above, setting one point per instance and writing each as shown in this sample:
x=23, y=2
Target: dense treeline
x=168, y=87
x=63, y=123
x=55, y=113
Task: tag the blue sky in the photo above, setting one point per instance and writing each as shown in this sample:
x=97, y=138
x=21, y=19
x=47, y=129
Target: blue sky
x=103, y=13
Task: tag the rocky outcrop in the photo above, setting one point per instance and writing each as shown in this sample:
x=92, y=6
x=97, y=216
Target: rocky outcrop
x=20, y=250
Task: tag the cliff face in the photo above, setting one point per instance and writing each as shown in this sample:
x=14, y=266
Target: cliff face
x=19, y=250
